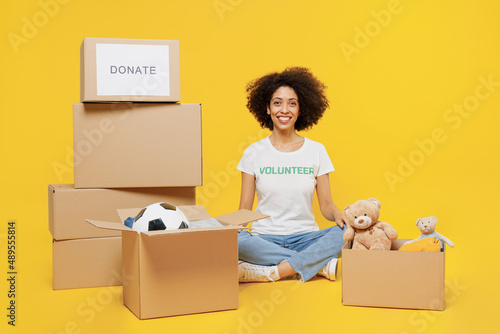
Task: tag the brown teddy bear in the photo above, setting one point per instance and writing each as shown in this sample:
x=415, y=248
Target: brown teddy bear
x=364, y=228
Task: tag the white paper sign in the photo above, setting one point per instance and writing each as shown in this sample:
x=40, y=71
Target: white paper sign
x=132, y=70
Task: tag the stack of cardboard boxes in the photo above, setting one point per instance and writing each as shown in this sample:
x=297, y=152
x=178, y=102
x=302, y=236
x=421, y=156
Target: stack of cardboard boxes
x=134, y=146
x=83, y=255
x=125, y=154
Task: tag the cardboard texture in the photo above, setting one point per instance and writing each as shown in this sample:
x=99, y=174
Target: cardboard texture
x=162, y=268
x=127, y=145
x=141, y=70
x=86, y=263
x=411, y=280
x=69, y=207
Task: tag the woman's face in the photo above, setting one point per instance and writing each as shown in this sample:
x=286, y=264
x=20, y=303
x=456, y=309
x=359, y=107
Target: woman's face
x=284, y=108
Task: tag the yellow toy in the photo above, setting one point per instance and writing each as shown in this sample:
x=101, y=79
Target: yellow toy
x=423, y=245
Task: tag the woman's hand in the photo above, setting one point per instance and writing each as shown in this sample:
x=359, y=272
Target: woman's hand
x=339, y=219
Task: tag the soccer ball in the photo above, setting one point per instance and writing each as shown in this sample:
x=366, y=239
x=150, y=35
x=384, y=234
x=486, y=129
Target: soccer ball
x=159, y=216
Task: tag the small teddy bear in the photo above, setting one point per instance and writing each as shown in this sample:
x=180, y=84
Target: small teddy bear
x=364, y=228
x=427, y=226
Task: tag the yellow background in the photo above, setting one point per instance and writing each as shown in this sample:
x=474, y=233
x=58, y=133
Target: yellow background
x=393, y=69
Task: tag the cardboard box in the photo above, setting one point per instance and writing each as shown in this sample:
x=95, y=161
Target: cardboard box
x=69, y=207
x=126, y=145
x=86, y=263
x=174, y=272
x=396, y=279
x=124, y=70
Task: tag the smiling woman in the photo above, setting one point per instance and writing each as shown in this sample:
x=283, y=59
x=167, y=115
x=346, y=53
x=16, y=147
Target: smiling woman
x=285, y=169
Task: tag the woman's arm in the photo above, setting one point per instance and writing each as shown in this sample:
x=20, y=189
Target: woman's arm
x=247, y=191
x=328, y=209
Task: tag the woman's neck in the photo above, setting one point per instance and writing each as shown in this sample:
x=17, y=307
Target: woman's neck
x=286, y=142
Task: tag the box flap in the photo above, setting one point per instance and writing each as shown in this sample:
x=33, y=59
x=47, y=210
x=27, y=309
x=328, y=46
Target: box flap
x=108, y=225
x=194, y=212
x=125, y=213
x=240, y=217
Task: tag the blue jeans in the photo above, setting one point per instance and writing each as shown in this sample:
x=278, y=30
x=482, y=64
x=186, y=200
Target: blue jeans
x=307, y=252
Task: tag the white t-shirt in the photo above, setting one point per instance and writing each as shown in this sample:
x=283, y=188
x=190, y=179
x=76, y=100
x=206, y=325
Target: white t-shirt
x=285, y=183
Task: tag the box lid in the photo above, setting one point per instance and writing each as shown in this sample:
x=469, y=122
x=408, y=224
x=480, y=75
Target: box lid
x=194, y=212
x=240, y=218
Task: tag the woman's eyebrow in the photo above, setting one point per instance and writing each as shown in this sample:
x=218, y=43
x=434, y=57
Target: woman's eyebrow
x=280, y=98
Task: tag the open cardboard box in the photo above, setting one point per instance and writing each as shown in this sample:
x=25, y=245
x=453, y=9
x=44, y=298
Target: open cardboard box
x=396, y=279
x=185, y=271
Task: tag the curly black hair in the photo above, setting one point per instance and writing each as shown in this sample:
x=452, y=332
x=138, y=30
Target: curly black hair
x=310, y=92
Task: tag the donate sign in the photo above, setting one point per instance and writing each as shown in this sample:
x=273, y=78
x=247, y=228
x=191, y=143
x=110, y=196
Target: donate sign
x=132, y=70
